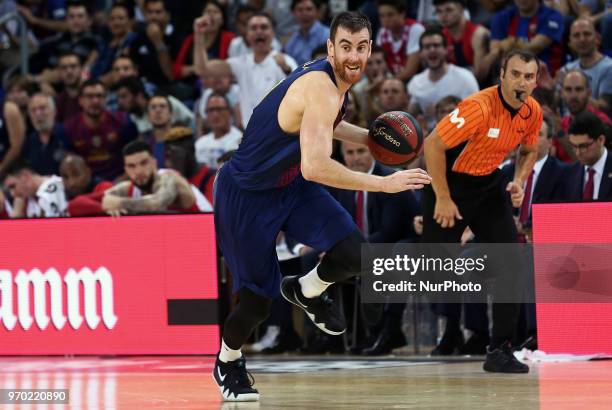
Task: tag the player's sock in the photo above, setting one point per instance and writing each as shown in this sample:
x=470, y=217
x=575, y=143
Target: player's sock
x=312, y=285
x=228, y=354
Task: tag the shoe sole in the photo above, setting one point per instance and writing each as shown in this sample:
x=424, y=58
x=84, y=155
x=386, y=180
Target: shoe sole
x=489, y=370
x=242, y=397
x=321, y=326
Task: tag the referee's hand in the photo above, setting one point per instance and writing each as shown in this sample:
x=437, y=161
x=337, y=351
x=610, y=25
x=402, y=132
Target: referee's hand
x=445, y=212
x=517, y=193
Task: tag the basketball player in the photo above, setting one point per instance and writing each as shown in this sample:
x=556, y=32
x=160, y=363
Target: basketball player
x=463, y=154
x=149, y=189
x=271, y=183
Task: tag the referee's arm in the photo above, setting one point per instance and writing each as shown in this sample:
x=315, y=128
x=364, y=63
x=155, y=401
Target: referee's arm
x=445, y=210
x=527, y=157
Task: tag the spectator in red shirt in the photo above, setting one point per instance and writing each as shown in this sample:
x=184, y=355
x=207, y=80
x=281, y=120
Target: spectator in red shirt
x=98, y=134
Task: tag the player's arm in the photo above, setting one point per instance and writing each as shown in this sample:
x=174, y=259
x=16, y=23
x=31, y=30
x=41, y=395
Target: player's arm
x=159, y=200
x=351, y=133
x=121, y=189
x=316, y=132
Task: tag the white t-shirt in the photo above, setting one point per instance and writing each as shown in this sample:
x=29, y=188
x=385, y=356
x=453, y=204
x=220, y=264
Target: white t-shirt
x=256, y=79
x=239, y=47
x=208, y=148
x=457, y=81
x=51, y=198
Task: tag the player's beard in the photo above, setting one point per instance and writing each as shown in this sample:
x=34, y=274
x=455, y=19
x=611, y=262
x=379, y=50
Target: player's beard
x=147, y=186
x=348, y=77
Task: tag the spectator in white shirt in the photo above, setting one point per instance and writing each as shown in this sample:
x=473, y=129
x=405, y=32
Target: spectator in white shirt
x=223, y=137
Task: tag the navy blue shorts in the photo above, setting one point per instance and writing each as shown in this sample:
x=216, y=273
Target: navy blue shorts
x=248, y=222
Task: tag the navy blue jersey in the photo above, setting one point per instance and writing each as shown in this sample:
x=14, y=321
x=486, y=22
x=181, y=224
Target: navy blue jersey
x=268, y=157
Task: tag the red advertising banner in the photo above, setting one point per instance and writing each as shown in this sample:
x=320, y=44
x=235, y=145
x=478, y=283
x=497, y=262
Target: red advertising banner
x=577, y=328
x=131, y=285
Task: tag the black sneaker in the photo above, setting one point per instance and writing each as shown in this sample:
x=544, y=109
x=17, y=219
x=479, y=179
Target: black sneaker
x=235, y=383
x=323, y=312
x=502, y=360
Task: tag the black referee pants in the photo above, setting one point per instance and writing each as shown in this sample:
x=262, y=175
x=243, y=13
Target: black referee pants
x=483, y=204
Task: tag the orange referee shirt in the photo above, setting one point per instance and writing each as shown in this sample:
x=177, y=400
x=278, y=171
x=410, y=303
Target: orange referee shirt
x=486, y=123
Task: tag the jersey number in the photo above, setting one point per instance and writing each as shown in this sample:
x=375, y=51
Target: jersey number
x=455, y=119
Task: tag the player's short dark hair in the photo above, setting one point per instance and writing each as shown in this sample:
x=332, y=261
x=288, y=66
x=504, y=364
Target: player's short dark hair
x=433, y=31
x=462, y=3
x=399, y=5
x=353, y=21
x=92, y=82
x=132, y=84
x=587, y=123
x=294, y=3
x=551, y=125
x=135, y=147
x=526, y=56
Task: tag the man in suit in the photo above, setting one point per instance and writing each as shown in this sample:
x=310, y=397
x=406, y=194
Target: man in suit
x=383, y=218
x=590, y=179
x=546, y=182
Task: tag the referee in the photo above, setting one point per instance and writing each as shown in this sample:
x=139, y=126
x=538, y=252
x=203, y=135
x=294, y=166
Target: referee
x=463, y=154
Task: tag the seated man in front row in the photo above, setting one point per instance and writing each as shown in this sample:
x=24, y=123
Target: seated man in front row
x=150, y=190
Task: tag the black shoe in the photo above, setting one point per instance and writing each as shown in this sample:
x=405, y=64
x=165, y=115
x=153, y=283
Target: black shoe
x=324, y=313
x=502, y=360
x=235, y=383
x=449, y=344
x=287, y=341
x=476, y=345
x=387, y=341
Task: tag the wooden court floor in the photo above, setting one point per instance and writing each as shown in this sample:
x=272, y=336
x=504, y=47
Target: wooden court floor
x=306, y=382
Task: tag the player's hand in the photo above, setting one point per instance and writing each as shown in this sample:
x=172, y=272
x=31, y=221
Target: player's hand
x=26, y=13
x=445, y=212
x=112, y=205
x=405, y=180
x=517, y=193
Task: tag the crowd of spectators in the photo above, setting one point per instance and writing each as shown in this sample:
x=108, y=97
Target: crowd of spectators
x=130, y=107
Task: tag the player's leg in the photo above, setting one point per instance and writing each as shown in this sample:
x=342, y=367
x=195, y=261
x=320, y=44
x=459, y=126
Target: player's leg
x=230, y=372
x=247, y=224
x=319, y=221
x=495, y=224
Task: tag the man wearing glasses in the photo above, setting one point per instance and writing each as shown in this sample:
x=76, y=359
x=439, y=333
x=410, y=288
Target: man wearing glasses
x=97, y=134
x=591, y=178
x=223, y=136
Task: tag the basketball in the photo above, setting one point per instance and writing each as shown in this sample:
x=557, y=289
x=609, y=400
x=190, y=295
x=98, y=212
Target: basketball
x=396, y=138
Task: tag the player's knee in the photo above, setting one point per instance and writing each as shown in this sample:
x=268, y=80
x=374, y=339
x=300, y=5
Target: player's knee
x=343, y=260
x=253, y=306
